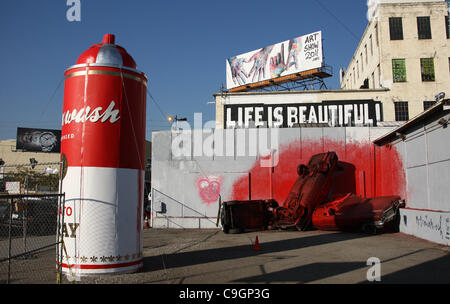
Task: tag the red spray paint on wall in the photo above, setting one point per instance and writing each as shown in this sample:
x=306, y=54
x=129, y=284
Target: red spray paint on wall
x=366, y=170
x=209, y=188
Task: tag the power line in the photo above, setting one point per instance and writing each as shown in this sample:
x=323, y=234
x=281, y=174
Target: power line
x=337, y=19
x=156, y=103
x=51, y=97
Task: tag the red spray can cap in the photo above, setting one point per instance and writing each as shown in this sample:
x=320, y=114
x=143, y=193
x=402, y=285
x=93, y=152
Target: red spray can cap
x=107, y=53
x=109, y=38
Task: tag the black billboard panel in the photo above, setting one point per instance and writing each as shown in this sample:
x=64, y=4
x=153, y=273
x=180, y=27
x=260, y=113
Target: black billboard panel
x=334, y=113
x=38, y=140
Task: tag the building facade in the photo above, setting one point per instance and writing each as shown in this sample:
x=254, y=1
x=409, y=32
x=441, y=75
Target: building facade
x=405, y=48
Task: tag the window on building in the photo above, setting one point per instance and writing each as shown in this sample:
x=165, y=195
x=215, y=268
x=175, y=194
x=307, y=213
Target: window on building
x=427, y=69
x=365, y=84
x=362, y=65
x=396, y=28
x=428, y=104
x=423, y=27
x=447, y=26
x=357, y=69
x=379, y=76
x=401, y=111
x=365, y=52
x=371, y=45
x=398, y=70
x=376, y=35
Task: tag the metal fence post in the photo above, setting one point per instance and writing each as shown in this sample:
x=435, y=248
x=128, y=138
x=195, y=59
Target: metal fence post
x=61, y=213
x=61, y=243
x=151, y=206
x=24, y=226
x=9, y=242
x=58, y=228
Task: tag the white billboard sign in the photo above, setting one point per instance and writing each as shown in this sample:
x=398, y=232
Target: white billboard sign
x=285, y=58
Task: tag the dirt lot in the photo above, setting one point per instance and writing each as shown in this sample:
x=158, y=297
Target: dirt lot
x=174, y=256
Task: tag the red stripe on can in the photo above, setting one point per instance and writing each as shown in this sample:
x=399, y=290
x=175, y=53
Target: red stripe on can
x=105, y=266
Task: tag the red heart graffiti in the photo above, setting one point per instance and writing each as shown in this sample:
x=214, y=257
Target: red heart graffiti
x=209, y=190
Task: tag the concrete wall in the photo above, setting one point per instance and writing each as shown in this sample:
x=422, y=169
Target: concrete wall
x=426, y=157
x=186, y=188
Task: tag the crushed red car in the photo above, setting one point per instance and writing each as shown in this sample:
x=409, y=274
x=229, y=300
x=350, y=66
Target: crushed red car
x=353, y=212
x=310, y=189
x=306, y=205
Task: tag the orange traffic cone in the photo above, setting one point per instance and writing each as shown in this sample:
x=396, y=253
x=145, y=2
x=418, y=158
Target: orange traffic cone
x=256, y=246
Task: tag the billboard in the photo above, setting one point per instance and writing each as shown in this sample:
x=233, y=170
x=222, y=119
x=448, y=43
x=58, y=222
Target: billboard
x=334, y=113
x=285, y=58
x=38, y=140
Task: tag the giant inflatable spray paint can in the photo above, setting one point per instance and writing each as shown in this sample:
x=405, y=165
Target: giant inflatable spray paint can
x=103, y=147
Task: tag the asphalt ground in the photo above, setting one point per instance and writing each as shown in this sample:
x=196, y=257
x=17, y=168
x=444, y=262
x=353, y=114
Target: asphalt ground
x=191, y=256
x=186, y=256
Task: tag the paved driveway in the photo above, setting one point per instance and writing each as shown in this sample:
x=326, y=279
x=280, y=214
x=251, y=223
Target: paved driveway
x=177, y=256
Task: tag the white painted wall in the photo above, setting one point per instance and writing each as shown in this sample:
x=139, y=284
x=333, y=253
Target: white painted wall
x=426, y=155
x=186, y=186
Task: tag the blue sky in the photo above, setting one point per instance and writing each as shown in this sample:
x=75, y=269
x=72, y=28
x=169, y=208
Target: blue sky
x=180, y=45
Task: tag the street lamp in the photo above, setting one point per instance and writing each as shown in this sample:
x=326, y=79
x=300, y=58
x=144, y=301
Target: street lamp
x=171, y=118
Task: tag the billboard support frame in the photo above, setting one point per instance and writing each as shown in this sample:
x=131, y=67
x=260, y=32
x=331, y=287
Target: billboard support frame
x=301, y=79
x=303, y=84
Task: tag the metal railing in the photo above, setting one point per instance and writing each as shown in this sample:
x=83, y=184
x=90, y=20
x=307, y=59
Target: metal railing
x=163, y=199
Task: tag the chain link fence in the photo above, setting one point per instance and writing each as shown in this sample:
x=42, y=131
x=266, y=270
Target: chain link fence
x=29, y=223
x=29, y=238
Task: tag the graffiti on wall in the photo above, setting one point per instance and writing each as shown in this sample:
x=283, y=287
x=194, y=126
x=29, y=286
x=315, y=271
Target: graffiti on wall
x=209, y=188
x=439, y=226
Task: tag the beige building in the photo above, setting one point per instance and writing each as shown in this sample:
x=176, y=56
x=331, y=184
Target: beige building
x=12, y=157
x=405, y=48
